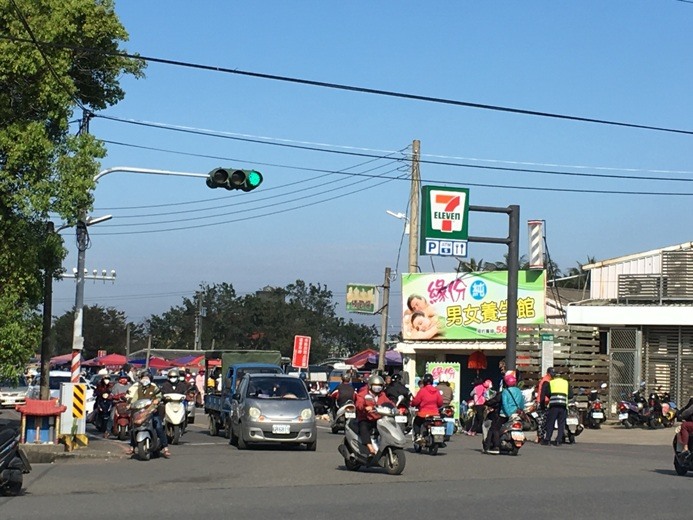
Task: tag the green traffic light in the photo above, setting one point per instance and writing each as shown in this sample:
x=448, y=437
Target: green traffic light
x=254, y=179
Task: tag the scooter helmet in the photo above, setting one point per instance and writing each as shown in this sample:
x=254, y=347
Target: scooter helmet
x=509, y=379
x=427, y=379
x=346, y=377
x=173, y=375
x=376, y=384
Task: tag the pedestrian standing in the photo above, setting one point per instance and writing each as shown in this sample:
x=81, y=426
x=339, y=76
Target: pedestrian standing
x=479, y=393
x=542, y=404
x=558, y=392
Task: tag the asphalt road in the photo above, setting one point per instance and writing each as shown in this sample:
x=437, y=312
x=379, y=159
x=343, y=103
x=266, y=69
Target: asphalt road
x=206, y=478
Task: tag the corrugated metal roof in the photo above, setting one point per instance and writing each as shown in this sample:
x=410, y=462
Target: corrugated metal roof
x=635, y=256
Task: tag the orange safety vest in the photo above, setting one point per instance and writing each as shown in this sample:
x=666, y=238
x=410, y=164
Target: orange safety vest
x=544, y=379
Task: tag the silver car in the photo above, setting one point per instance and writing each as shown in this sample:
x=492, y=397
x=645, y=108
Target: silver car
x=13, y=392
x=272, y=408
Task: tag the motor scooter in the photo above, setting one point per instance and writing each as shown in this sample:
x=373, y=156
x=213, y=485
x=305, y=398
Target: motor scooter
x=447, y=412
x=404, y=415
x=573, y=427
x=512, y=436
x=102, y=411
x=13, y=463
x=594, y=416
x=143, y=431
x=174, y=416
x=682, y=465
x=387, y=438
x=432, y=435
x=121, y=417
x=341, y=416
x=191, y=397
x=634, y=412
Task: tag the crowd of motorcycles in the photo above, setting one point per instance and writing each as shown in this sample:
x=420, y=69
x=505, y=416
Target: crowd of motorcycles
x=394, y=428
x=136, y=419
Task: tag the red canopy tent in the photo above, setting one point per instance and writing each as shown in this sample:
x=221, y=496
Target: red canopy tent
x=189, y=361
x=360, y=359
x=64, y=359
x=109, y=360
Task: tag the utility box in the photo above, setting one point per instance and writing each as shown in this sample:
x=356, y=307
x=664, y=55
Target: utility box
x=73, y=397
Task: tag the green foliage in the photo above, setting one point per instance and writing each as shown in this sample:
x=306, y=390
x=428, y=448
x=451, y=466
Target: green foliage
x=268, y=319
x=103, y=328
x=44, y=170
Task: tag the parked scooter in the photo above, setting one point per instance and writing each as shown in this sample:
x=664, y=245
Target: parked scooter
x=174, y=416
x=512, y=436
x=13, y=463
x=669, y=409
x=143, y=430
x=341, y=416
x=634, y=412
x=595, y=416
x=387, y=438
x=432, y=436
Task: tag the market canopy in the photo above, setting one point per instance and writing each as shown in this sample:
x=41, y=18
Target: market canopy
x=63, y=359
x=109, y=360
x=154, y=362
x=392, y=358
x=360, y=359
x=193, y=360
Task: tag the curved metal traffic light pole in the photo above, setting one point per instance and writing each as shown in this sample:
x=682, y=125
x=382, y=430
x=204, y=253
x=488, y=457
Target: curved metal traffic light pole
x=82, y=223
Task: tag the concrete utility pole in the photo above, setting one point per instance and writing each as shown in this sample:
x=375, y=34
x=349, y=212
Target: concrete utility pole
x=384, y=310
x=44, y=389
x=414, y=209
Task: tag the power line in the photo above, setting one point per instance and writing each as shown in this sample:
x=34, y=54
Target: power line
x=214, y=133
x=363, y=90
x=209, y=224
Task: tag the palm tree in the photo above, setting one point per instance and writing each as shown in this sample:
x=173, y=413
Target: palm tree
x=472, y=266
x=503, y=266
x=582, y=277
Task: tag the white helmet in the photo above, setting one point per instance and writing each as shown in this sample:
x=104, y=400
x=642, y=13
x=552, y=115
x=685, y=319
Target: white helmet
x=102, y=372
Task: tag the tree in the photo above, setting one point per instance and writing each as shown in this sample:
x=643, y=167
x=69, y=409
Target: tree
x=582, y=277
x=55, y=56
x=104, y=329
x=474, y=266
x=267, y=319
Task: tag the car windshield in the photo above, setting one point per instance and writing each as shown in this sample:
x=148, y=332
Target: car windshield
x=277, y=388
x=56, y=381
x=11, y=383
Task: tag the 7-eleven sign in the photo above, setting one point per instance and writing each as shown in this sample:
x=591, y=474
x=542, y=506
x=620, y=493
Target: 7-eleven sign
x=444, y=221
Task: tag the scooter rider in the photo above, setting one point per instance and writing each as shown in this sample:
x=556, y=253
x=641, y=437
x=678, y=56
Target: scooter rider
x=559, y=392
x=367, y=417
x=427, y=401
x=174, y=385
x=145, y=389
x=686, y=415
x=344, y=392
x=119, y=389
x=397, y=389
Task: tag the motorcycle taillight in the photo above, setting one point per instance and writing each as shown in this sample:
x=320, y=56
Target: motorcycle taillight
x=622, y=406
x=517, y=426
x=438, y=423
x=597, y=405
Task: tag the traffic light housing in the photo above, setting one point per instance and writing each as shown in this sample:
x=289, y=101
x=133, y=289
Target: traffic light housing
x=231, y=179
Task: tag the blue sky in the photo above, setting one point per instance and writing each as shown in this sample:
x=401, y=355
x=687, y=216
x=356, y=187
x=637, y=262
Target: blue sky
x=621, y=61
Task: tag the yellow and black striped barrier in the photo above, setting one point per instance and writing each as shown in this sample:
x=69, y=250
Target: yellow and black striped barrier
x=79, y=400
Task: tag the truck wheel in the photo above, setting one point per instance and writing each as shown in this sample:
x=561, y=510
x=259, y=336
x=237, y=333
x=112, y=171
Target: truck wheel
x=213, y=429
x=227, y=429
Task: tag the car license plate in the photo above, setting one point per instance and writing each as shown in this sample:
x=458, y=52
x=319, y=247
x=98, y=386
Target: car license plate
x=572, y=421
x=517, y=436
x=350, y=415
x=598, y=415
x=401, y=418
x=281, y=428
x=438, y=430
x=622, y=416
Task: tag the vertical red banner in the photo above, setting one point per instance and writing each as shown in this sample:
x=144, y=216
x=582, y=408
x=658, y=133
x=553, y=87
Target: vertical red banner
x=301, y=352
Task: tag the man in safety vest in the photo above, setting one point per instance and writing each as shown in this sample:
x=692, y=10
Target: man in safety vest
x=542, y=404
x=558, y=392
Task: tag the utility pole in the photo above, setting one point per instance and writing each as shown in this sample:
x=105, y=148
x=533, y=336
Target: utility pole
x=127, y=340
x=199, y=314
x=44, y=389
x=384, y=310
x=414, y=208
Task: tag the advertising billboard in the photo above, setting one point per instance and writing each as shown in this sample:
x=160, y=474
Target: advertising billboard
x=467, y=306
